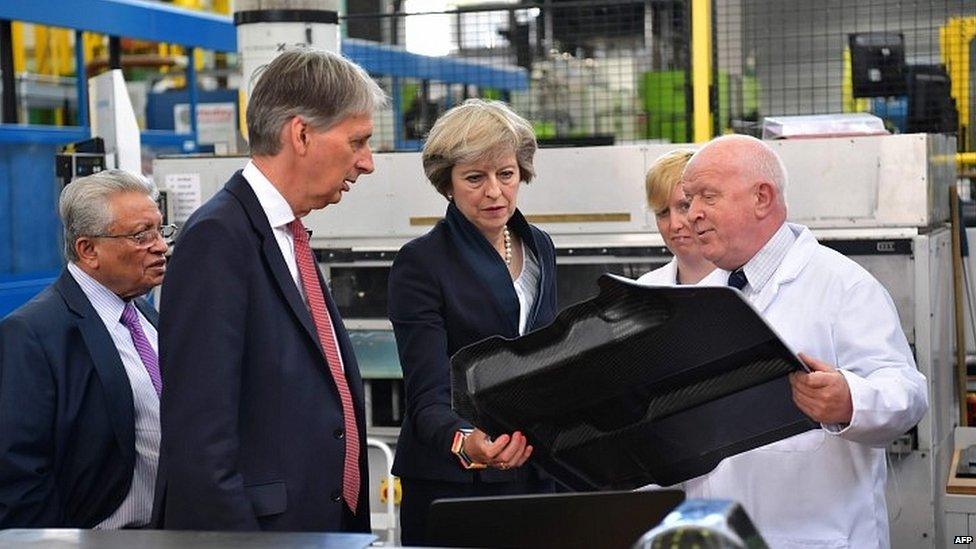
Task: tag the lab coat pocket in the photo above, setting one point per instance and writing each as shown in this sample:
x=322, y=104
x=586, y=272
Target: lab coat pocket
x=810, y=441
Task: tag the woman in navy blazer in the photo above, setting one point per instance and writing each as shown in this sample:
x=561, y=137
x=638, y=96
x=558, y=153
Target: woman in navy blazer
x=481, y=271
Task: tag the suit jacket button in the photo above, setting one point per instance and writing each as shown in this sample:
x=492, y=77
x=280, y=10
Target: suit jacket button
x=336, y=496
x=339, y=434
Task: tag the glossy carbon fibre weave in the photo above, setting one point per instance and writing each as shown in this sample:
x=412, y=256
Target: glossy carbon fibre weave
x=638, y=385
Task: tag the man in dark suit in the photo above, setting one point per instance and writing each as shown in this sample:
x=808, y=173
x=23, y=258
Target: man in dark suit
x=263, y=418
x=79, y=373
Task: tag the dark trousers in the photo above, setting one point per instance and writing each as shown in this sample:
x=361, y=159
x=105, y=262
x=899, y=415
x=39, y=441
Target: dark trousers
x=419, y=494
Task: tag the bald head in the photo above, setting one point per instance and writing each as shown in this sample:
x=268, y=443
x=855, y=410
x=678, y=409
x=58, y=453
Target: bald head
x=736, y=184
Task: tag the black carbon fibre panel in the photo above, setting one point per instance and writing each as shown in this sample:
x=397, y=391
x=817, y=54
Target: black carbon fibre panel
x=638, y=385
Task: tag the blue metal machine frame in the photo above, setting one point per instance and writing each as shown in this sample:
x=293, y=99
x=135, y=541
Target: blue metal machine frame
x=398, y=63
x=160, y=22
x=152, y=21
x=28, y=192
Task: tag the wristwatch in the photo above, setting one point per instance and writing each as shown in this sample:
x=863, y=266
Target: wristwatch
x=457, y=448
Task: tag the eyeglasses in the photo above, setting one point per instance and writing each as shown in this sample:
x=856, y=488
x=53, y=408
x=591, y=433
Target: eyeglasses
x=146, y=237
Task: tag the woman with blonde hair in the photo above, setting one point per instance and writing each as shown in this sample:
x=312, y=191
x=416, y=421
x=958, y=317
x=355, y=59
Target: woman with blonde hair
x=667, y=199
x=481, y=271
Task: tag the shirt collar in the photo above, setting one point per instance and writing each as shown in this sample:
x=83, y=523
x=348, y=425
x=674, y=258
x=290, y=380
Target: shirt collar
x=275, y=206
x=106, y=303
x=761, y=267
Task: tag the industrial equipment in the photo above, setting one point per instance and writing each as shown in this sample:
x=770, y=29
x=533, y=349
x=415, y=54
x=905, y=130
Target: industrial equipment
x=880, y=200
x=80, y=159
x=265, y=29
x=114, y=120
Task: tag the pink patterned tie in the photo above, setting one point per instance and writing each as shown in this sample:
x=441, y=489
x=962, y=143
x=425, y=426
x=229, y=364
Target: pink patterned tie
x=130, y=319
x=323, y=325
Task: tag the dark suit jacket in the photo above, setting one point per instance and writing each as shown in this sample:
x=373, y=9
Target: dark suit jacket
x=449, y=289
x=252, y=428
x=67, y=436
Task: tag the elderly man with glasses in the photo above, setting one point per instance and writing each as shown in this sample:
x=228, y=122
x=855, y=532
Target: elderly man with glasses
x=79, y=370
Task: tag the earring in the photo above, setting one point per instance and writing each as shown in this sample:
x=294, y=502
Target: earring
x=450, y=197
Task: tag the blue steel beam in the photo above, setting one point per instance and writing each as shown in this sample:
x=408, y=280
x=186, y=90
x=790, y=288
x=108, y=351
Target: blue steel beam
x=165, y=138
x=389, y=60
x=15, y=134
x=81, y=85
x=153, y=21
x=191, y=86
x=160, y=22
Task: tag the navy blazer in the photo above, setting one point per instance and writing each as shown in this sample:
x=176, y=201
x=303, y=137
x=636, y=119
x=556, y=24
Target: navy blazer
x=252, y=426
x=448, y=289
x=67, y=434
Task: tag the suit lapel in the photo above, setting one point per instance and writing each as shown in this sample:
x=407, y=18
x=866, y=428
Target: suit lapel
x=105, y=358
x=474, y=251
x=147, y=311
x=793, y=262
x=239, y=187
x=282, y=277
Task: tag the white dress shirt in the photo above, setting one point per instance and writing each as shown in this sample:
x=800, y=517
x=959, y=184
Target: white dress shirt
x=665, y=275
x=279, y=215
x=527, y=286
x=136, y=508
x=759, y=270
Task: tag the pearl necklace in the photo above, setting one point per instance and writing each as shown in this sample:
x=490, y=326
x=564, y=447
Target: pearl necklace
x=508, y=246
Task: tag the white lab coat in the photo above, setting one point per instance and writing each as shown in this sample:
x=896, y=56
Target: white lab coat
x=825, y=488
x=666, y=275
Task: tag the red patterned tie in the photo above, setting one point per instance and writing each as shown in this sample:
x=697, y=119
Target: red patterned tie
x=323, y=325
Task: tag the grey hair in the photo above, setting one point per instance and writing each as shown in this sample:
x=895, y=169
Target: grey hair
x=474, y=130
x=321, y=87
x=84, y=204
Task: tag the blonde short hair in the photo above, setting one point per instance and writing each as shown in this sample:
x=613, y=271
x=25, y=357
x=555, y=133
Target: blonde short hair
x=664, y=176
x=475, y=130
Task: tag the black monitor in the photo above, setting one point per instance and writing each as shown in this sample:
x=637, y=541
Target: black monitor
x=877, y=63
x=593, y=519
x=931, y=108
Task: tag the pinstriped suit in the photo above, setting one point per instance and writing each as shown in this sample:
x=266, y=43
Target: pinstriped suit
x=136, y=508
x=67, y=415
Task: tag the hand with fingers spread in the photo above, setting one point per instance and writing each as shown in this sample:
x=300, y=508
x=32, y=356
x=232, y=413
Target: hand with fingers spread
x=823, y=393
x=505, y=452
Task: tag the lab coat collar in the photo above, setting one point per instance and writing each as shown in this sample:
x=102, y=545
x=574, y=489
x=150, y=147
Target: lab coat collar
x=796, y=259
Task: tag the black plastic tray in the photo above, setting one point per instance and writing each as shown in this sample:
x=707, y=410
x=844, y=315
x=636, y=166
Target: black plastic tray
x=637, y=385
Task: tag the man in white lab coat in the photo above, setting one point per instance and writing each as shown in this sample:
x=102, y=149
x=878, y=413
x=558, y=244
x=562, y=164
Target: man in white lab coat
x=825, y=487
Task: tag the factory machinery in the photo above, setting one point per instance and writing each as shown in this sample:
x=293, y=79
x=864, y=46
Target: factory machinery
x=881, y=200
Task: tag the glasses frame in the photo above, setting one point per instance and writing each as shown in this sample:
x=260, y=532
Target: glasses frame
x=164, y=232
